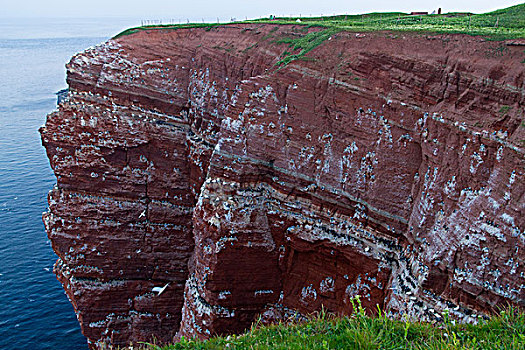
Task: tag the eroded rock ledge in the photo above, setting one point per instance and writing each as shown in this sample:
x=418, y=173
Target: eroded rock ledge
x=388, y=166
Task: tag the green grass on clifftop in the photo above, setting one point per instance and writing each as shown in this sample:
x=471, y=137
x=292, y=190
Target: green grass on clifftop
x=503, y=331
x=508, y=23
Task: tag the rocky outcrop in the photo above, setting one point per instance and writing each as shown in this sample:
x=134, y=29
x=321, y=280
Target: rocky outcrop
x=388, y=166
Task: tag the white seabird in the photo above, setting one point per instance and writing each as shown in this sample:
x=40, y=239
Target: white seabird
x=159, y=290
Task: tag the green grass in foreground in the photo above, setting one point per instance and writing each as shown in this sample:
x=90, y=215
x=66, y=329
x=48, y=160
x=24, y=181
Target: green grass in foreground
x=503, y=331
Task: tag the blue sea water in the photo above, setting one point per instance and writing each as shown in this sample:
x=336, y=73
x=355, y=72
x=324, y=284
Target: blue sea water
x=34, y=311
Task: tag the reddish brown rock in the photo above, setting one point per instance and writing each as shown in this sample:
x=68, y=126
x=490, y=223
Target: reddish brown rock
x=388, y=166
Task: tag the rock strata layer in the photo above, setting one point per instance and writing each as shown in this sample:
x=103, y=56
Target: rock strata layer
x=384, y=165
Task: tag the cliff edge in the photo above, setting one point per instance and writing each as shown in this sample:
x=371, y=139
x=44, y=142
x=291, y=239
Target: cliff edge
x=385, y=165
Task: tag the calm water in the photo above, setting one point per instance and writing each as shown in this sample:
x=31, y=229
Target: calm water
x=34, y=311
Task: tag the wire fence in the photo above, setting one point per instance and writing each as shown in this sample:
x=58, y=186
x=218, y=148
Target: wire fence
x=182, y=20
x=465, y=19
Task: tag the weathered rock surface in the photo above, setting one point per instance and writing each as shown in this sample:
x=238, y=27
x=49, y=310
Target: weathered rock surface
x=388, y=166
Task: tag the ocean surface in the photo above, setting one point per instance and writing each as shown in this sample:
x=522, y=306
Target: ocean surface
x=34, y=311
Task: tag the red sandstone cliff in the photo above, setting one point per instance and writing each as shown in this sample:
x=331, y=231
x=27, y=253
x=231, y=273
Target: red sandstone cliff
x=388, y=166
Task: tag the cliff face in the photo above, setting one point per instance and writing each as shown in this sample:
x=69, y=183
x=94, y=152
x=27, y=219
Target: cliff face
x=388, y=166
